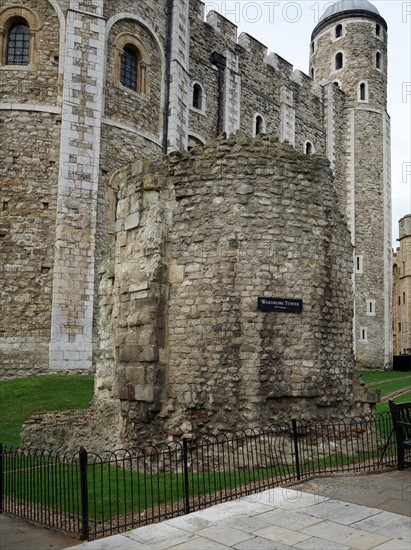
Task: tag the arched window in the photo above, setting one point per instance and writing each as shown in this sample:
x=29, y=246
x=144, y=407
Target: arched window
x=197, y=97
x=194, y=141
x=309, y=148
x=259, y=126
x=378, y=60
x=338, y=31
x=18, y=44
x=129, y=68
x=339, y=61
x=377, y=29
x=132, y=64
x=336, y=83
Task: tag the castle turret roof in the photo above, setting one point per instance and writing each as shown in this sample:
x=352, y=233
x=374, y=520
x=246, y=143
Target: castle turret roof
x=348, y=8
x=349, y=5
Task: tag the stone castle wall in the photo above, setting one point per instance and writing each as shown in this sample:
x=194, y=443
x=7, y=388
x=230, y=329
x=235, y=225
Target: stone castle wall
x=85, y=136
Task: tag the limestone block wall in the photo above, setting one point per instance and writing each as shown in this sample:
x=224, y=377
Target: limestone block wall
x=28, y=202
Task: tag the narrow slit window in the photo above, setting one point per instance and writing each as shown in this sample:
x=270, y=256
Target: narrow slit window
x=18, y=44
x=363, y=334
x=338, y=31
x=359, y=264
x=378, y=60
x=308, y=148
x=363, y=92
x=377, y=29
x=371, y=308
x=339, y=61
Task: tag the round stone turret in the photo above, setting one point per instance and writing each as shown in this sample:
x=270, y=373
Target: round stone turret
x=349, y=50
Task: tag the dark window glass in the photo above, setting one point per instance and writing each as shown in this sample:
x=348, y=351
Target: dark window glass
x=377, y=30
x=18, y=45
x=339, y=61
x=362, y=92
x=129, y=68
x=338, y=31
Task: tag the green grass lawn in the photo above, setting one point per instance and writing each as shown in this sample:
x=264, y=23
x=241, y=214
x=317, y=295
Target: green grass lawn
x=21, y=397
x=388, y=382
x=379, y=376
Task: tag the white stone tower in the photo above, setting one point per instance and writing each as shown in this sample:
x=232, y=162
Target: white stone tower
x=349, y=50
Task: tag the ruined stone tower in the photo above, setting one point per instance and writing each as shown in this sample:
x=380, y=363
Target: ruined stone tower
x=349, y=49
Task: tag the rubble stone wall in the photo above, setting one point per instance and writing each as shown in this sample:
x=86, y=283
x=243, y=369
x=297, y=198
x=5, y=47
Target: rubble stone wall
x=199, y=237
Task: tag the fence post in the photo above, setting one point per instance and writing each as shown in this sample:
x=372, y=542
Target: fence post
x=84, y=494
x=1, y=478
x=297, y=455
x=185, y=477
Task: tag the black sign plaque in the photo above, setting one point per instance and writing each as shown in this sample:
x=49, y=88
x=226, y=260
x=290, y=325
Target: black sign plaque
x=287, y=305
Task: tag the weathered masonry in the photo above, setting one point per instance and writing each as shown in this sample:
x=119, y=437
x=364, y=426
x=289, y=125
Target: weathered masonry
x=184, y=348
x=87, y=86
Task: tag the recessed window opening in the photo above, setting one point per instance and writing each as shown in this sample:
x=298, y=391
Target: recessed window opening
x=337, y=84
x=363, y=92
x=363, y=334
x=358, y=264
x=312, y=74
x=312, y=46
x=371, y=310
x=338, y=31
x=259, y=125
x=339, y=61
x=377, y=29
x=129, y=68
x=308, y=148
x=197, y=96
x=378, y=60
x=18, y=44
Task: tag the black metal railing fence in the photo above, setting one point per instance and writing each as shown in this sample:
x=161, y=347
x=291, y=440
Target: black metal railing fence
x=92, y=495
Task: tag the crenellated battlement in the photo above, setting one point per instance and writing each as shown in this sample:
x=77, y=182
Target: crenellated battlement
x=253, y=46
x=222, y=25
